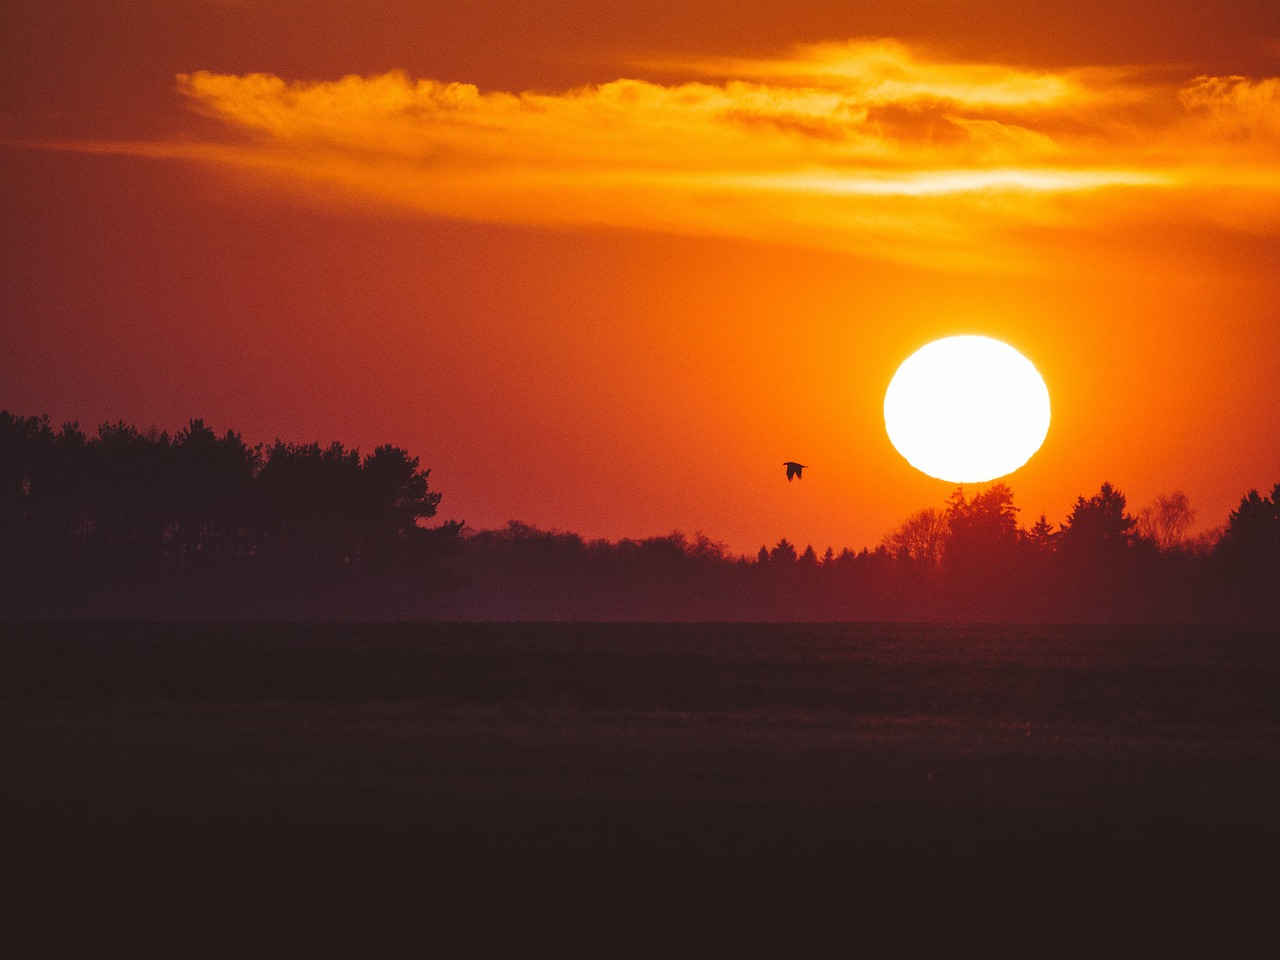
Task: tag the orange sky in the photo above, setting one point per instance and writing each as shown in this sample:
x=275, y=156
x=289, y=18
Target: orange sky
x=604, y=270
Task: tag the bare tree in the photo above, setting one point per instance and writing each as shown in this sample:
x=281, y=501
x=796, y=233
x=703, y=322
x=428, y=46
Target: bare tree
x=1167, y=521
x=920, y=538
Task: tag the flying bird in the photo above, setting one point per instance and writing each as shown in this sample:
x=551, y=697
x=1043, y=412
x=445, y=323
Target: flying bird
x=793, y=469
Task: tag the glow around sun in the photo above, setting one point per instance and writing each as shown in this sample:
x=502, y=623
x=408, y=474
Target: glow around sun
x=967, y=409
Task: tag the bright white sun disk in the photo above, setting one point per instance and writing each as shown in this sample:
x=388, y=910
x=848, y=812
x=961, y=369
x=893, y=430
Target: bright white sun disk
x=967, y=409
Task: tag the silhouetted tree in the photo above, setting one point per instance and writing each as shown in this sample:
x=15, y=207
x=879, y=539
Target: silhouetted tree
x=979, y=560
x=1248, y=555
x=706, y=550
x=1097, y=529
x=1041, y=538
x=395, y=502
x=209, y=505
x=919, y=539
x=1095, y=561
x=1166, y=521
x=1253, y=529
x=982, y=531
x=784, y=551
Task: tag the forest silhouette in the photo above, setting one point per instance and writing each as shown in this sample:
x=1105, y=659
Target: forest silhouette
x=143, y=524
x=133, y=523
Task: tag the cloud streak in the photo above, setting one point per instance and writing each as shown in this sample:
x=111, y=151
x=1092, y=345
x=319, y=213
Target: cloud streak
x=866, y=146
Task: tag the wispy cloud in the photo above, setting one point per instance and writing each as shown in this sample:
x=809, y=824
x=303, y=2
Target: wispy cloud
x=871, y=146
x=887, y=71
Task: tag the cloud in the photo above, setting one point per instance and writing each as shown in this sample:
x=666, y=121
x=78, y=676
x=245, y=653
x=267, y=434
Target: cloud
x=1237, y=113
x=887, y=71
x=868, y=146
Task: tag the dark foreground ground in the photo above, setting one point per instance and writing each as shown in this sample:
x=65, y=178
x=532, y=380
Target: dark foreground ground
x=684, y=788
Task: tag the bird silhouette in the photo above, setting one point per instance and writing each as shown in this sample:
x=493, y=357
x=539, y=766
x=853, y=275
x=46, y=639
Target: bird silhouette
x=793, y=469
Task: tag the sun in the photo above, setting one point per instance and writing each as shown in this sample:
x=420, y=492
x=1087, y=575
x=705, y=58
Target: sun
x=967, y=409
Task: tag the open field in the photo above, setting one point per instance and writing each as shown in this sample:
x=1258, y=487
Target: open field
x=490, y=780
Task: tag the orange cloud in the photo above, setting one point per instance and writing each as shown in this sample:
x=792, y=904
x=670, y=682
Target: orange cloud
x=1236, y=103
x=863, y=145
x=886, y=71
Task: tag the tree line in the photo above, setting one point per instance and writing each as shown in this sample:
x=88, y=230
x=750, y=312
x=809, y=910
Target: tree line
x=972, y=558
x=968, y=559
x=142, y=523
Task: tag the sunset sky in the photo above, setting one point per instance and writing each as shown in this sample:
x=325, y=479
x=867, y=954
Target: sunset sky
x=604, y=268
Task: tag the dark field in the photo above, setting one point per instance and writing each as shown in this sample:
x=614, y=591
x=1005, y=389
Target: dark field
x=727, y=782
